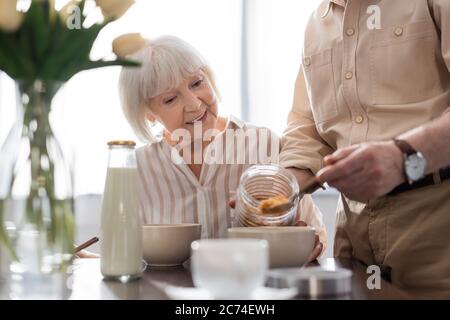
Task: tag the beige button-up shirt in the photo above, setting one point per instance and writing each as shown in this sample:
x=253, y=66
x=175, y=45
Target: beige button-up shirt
x=371, y=71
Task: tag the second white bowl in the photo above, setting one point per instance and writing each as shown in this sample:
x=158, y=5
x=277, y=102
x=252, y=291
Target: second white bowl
x=288, y=246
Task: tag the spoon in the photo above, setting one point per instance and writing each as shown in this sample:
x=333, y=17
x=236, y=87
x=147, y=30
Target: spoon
x=86, y=244
x=310, y=186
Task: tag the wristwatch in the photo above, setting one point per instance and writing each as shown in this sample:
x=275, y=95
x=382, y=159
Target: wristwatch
x=415, y=163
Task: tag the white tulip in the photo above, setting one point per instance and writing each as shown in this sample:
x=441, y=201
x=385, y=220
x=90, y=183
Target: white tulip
x=10, y=18
x=127, y=44
x=114, y=8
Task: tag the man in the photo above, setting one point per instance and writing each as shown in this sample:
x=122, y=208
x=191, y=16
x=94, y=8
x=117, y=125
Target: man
x=371, y=117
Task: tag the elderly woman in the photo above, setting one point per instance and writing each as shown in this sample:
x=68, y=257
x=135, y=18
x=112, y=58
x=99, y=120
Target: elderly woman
x=175, y=87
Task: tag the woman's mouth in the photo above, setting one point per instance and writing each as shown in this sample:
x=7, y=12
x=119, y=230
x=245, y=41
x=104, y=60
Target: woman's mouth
x=201, y=118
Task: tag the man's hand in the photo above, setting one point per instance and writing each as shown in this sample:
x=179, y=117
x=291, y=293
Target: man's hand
x=364, y=172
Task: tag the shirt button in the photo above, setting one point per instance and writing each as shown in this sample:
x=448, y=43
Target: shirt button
x=398, y=31
x=349, y=75
x=359, y=119
x=307, y=61
x=350, y=32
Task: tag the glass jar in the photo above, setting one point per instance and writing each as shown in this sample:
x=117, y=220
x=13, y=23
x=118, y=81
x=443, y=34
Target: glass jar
x=121, y=225
x=261, y=182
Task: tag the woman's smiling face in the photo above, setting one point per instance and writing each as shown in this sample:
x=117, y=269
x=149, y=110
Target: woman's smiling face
x=193, y=101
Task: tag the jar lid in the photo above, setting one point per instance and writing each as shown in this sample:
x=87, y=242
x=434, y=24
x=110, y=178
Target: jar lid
x=122, y=143
x=312, y=282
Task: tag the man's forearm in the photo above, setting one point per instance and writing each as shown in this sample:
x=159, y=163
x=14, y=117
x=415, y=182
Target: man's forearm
x=433, y=141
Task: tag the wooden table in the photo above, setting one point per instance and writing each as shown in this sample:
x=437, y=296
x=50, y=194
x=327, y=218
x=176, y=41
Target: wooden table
x=85, y=282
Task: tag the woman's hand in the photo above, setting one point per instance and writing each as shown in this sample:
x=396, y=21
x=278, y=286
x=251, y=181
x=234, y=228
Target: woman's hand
x=318, y=246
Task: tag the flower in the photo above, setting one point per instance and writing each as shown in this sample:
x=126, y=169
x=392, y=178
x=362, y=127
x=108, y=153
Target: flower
x=114, y=8
x=10, y=18
x=127, y=44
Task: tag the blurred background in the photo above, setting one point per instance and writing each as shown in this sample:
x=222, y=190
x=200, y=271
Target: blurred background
x=254, y=47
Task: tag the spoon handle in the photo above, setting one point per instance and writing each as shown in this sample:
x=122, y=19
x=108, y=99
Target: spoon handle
x=311, y=185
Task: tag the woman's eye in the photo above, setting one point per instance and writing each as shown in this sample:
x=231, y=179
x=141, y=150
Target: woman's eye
x=169, y=100
x=197, y=83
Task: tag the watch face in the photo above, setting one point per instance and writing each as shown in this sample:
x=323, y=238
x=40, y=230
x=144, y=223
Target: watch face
x=415, y=166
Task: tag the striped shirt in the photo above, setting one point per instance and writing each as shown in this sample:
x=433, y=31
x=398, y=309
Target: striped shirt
x=170, y=193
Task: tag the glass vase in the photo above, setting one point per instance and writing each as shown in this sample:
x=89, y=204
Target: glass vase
x=36, y=193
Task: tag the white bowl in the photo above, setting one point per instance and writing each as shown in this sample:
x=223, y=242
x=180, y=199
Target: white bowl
x=288, y=246
x=169, y=244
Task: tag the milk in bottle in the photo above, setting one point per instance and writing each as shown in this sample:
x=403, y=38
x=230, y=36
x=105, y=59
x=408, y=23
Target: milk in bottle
x=121, y=226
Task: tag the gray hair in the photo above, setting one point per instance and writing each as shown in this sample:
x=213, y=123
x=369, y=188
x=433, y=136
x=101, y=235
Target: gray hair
x=166, y=62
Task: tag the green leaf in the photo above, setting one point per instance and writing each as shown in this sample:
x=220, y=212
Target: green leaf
x=12, y=60
x=73, y=51
x=102, y=63
x=37, y=26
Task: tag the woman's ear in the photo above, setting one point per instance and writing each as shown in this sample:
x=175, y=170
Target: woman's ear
x=149, y=115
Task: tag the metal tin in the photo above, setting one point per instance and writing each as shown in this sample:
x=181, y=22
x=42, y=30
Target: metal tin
x=313, y=282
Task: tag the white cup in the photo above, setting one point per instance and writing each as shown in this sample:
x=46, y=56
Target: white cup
x=229, y=268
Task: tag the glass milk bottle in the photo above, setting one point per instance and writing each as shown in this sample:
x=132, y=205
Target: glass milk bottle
x=121, y=226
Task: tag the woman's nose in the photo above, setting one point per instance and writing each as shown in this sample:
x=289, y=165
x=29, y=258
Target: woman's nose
x=192, y=103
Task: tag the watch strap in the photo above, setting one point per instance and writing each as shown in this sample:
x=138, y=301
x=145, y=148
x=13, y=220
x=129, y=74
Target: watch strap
x=405, y=147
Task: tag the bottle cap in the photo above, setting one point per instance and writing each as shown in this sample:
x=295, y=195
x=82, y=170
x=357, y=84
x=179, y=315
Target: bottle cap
x=122, y=143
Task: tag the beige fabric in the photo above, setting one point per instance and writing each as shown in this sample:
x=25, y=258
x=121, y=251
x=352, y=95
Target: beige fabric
x=362, y=83
x=171, y=193
x=339, y=2
x=407, y=235
x=396, y=82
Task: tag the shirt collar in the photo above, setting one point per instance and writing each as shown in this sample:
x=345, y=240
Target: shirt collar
x=327, y=10
x=235, y=120
x=339, y=2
